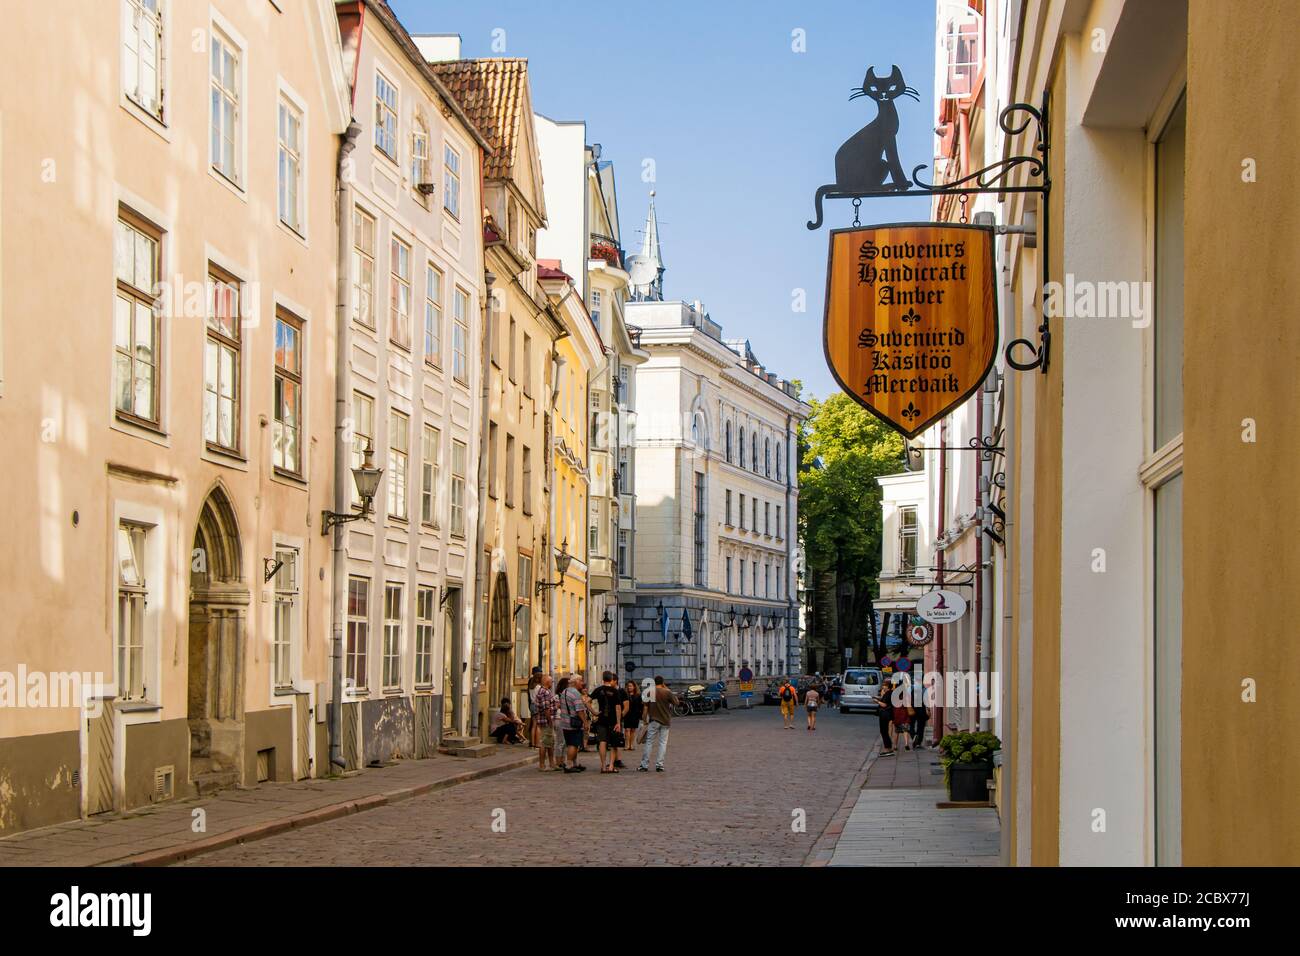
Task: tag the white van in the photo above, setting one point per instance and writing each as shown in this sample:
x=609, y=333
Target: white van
x=859, y=687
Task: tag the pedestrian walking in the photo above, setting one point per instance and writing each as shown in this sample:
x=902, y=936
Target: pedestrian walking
x=609, y=700
x=534, y=682
x=811, y=703
x=660, y=711
x=561, y=721
x=885, y=714
x=545, y=707
x=633, y=709
x=920, y=717
x=902, y=712
x=581, y=683
x=788, y=696
x=577, y=717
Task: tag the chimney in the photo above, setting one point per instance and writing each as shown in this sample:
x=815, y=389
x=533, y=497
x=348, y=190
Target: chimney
x=438, y=47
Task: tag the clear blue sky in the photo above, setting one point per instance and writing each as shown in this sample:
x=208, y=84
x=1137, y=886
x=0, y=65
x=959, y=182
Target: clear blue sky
x=741, y=128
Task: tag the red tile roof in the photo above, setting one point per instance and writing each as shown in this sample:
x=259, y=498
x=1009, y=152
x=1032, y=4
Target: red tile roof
x=493, y=93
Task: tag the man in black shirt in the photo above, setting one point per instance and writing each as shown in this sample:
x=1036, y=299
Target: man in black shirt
x=609, y=697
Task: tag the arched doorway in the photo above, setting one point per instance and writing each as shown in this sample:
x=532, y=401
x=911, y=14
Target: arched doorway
x=219, y=600
x=500, y=646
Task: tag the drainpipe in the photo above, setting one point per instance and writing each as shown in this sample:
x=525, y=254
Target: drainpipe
x=986, y=565
x=480, y=560
x=342, y=473
x=941, y=529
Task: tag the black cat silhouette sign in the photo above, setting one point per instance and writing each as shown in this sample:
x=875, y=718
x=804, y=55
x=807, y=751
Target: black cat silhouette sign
x=911, y=325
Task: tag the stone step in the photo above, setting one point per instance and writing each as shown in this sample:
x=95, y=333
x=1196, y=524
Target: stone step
x=212, y=781
x=470, y=749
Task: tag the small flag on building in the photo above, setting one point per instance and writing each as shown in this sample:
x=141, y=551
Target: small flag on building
x=686, y=624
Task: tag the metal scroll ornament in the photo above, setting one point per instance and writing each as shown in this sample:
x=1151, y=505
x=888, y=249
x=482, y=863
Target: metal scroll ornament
x=868, y=166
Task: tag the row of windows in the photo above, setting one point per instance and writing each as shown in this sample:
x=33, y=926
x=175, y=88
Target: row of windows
x=749, y=583
x=144, y=45
x=138, y=350
x=509, y=476
x=402, y=298
x=388, y=136
x=768, y=525
x=393, y=621
x=760, y=466
x=396, y=472
x=513, y=358
x=134, y=543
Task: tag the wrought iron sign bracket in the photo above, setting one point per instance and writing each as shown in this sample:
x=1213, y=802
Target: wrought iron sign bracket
x=991, y=180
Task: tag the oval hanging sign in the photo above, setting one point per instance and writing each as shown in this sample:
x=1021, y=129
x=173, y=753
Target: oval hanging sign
x=941, y=607
x=920, y=633
x=911, y=323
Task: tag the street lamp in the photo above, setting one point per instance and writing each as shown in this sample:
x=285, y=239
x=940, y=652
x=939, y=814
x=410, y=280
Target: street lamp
x=367, y=481
x=731, y=617
x=561, y=564
x=606, y=623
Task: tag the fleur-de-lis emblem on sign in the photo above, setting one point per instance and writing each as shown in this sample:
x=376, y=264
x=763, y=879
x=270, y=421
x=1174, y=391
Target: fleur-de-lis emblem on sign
x=910, y=412
x=911, y=317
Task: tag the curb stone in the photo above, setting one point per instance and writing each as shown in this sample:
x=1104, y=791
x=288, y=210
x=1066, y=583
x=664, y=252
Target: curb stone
x=220, y=841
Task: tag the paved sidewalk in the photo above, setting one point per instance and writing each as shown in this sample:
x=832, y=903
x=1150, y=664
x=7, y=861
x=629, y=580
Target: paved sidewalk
x=895, y=820
x=155, y=836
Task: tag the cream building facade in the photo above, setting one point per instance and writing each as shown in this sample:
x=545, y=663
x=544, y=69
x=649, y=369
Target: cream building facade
x=582, y=239
x=1139, y=481
x=520, y=329
x=178, y=448
x=413, y=341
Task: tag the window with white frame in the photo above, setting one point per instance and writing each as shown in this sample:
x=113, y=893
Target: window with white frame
x=430, y=475
x=226, y=117
x=728, y=500
x=142, y=54
x=907, y=538
x=392, y=665
x=398, y=455
x=136, y=329
x=451, y=181
x=433, y=316
x=510, y=351
x=964, y=44
x=363, y=434
x=595, y=307
x=286, y=433
x=221, y=364
x=459, y=463
x=526, y=477
x=358, y=640
x=460, y=336
x=290, y=169
x=425, y=602
x=528, y=365
x=623, y=567
x=419, y=153
x=132, y=600
x=523, y=614
x=363, y=268
x=385, y=116
x=399, y=294
x=729, y=577
x=287, y=602
x=510, y=471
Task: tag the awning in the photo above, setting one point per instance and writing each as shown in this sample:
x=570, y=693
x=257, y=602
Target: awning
x=895, y=604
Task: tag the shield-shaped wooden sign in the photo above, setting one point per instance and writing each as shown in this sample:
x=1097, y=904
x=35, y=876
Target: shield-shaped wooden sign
x=911, y=318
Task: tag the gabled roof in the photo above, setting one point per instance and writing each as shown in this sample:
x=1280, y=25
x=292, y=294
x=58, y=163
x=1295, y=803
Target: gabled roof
x=494, y=93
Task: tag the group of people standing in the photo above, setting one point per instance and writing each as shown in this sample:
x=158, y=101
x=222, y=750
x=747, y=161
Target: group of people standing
x=903, y=716
x=564, y=715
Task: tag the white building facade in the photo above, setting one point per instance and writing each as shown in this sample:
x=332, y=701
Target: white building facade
x=413, y=298
x=717, y=503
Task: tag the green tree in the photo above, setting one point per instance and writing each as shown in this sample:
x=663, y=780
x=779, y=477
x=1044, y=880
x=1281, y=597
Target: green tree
x=843, y=449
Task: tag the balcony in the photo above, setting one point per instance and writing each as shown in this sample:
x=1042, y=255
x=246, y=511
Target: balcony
x=604, y=247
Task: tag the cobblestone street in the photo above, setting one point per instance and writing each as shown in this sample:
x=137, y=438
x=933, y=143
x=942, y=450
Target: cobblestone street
x=729, y=796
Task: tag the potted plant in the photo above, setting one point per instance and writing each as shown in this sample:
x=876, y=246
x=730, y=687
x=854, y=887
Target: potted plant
x=968, y=764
